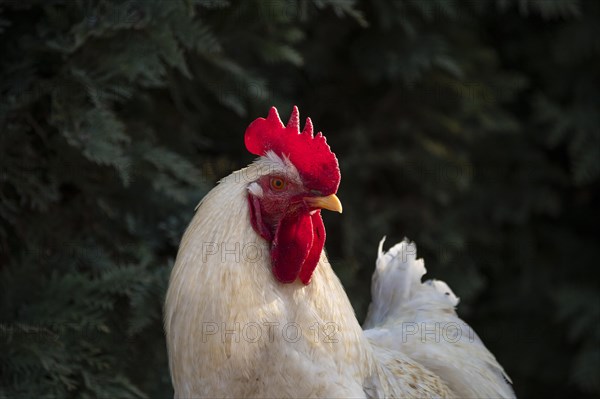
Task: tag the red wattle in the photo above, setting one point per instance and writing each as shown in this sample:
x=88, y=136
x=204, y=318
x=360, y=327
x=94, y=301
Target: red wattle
x=291, y=246
x=311, y=261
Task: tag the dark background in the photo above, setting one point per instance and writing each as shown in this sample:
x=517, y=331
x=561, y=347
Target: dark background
x=471, y=127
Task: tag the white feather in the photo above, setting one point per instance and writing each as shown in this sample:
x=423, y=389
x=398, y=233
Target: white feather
x=217, y=291
x=215, y=287
x=419, y=320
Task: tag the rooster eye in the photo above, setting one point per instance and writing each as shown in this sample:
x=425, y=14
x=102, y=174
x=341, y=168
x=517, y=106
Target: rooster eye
x=277, y=183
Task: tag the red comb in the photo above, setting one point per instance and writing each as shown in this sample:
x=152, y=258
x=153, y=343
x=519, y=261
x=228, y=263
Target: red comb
x=313, y=158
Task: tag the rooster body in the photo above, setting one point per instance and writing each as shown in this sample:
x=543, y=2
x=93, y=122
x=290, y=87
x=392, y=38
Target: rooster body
x=235, y=328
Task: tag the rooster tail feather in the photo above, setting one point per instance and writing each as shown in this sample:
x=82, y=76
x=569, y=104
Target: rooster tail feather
x=419, y=319
x=397, y=276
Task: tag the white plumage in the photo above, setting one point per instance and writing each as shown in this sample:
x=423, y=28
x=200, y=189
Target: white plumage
x=234, y=331
x=419, y=320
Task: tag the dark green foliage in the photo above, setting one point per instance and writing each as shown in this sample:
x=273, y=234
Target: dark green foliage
x=469, y=126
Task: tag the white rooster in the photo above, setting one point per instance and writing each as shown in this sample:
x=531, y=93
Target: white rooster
x=254, y=308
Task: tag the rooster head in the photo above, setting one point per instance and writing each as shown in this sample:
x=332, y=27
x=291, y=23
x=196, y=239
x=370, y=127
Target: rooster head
x=286, y=201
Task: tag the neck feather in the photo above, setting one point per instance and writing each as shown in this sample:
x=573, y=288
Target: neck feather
x=222, y=280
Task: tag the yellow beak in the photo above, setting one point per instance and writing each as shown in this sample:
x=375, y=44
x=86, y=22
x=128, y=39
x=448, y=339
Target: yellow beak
x=331, y=202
